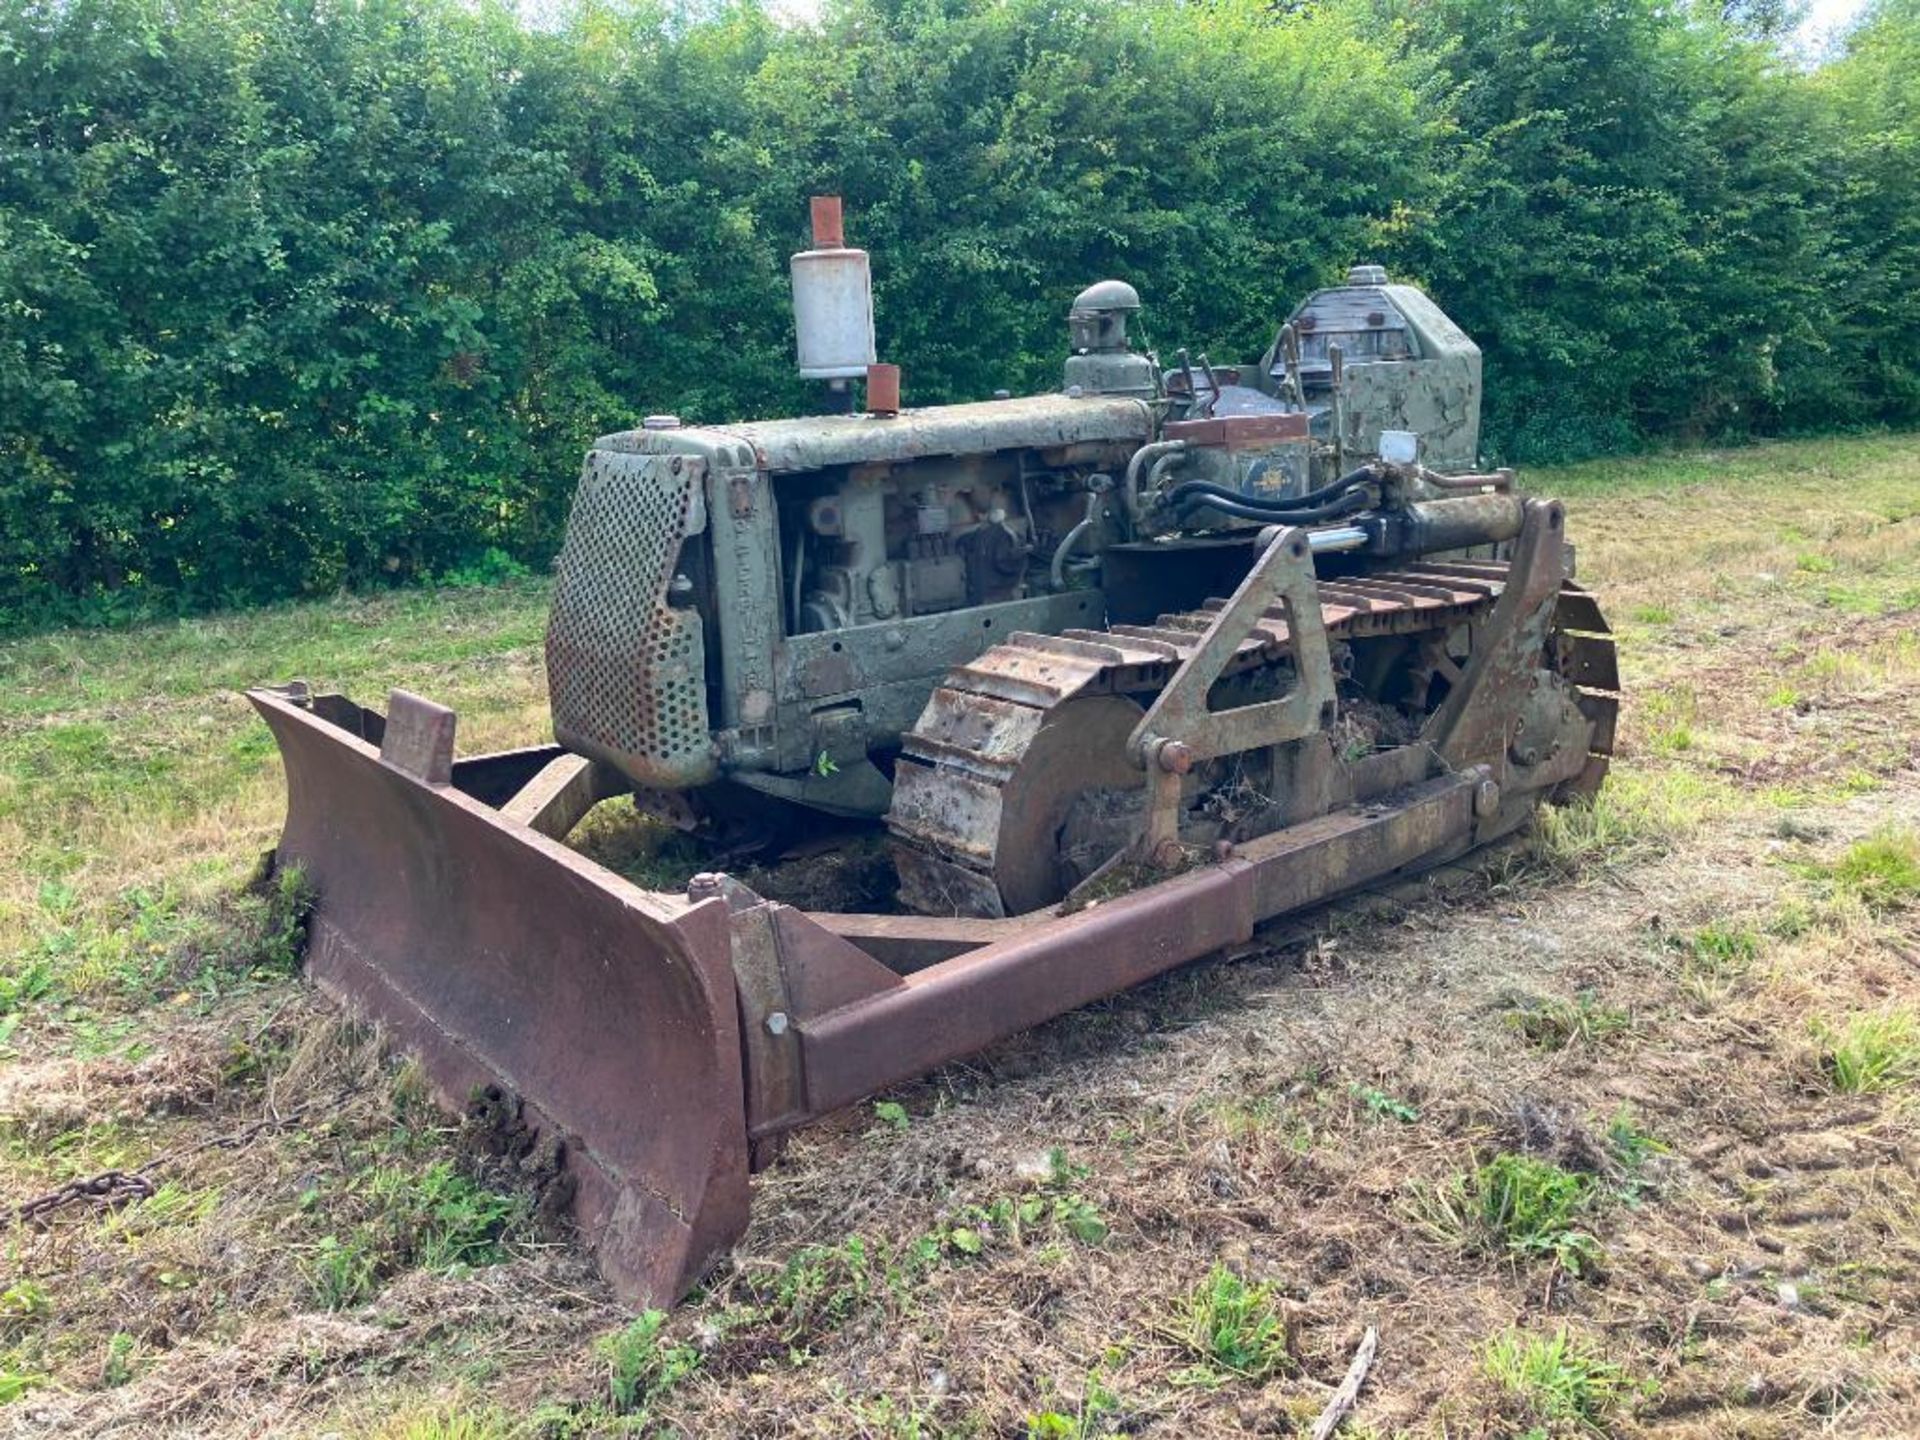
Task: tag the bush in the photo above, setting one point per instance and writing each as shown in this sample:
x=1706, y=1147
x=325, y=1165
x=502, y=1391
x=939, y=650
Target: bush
x=295, y=298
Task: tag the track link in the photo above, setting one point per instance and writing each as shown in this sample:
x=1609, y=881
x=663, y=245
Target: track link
x=1039, y=714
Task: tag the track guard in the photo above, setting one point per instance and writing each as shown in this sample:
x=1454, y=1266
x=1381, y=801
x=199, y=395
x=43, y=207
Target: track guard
x=502, y=958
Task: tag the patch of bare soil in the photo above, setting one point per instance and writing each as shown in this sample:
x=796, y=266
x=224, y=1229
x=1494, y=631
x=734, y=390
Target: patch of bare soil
x=830, y=864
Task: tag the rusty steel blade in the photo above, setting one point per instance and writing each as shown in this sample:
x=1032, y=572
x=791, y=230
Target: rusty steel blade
x=502, y=958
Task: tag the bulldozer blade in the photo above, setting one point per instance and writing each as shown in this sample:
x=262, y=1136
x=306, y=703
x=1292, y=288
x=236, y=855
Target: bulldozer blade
x=599, y=1017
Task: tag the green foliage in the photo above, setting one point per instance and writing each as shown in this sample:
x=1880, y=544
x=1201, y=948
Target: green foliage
x=16, y=1380
x=1233, y=1330
x=1083, y=1421
x=1869, y=366
x=1881, y=871
x=1559, y=1379
x=1631, y=1149
x=117, y=1368
x=823, y=1286
x=1557, y=1022
x=1020, y=1221
x=1385, y=1106
x=642, y=1365
x=434, y=1218
x=1631, y=1145
x=448, y=1220
x=24, y=1300
x=341, y=1273
x=282, y=938
x=492, y=566
x=293, y=298
x=1720, y=946
x=1517, y=1204
x=450, y=1424
x=1534, y=1206
x=1866, y=1053
x=1716, y=958
x=1632, y=214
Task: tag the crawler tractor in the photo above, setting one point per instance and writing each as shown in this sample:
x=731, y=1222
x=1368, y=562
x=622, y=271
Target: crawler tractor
x=1120, y=671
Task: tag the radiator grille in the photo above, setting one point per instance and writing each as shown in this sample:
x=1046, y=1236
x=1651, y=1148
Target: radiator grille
x=625, y=671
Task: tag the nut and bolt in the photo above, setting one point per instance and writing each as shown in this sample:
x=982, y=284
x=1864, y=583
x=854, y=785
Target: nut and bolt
x=1486, y=798
x=1174, y=756
x=777, y=1023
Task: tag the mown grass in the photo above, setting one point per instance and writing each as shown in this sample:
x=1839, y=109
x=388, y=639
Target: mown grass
x=1882, y=871
x=1557, y=1022
x=1871, y=1052
x=448, y=1423
x=1638, y=813
x=137, y=788
x=1559, y=1379
x=643, y=1365
x=1717, y=959
x=1519, y=1205
x=1230, y=1330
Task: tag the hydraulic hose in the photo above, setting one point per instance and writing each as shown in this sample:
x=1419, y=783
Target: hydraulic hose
x=1308, y=501
x=1058, y=570
x=1346, y=504
x=1130, y=485
x=1157, y=471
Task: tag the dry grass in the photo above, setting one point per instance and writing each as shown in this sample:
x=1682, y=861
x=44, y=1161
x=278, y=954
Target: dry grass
x=1242, y=1148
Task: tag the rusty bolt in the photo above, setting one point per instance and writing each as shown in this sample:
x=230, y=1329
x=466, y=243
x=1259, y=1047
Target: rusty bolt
x=1486, y=798
x=1223, y=849
x=1174, y=756
x=1166, y=855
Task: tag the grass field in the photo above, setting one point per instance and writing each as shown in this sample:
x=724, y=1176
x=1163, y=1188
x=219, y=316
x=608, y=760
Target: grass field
x=1613, y=1134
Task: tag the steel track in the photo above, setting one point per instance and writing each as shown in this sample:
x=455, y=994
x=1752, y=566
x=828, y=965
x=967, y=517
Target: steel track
x=961, y=801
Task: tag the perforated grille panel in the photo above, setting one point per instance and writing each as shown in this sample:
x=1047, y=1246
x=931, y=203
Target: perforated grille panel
x=625, y=671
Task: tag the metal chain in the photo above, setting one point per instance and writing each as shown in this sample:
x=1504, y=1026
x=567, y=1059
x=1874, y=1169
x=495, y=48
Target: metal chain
x=117, y=1187
x=109, y=1187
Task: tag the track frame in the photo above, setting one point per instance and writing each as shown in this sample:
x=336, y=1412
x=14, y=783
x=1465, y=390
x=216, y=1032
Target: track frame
x=1180, y=729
